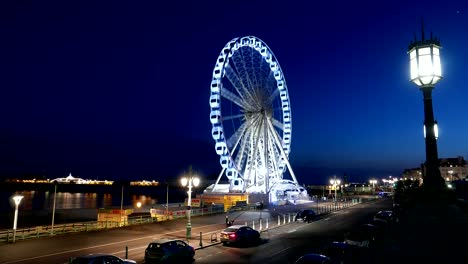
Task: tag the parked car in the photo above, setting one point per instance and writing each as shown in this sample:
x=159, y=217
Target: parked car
x=239, y=234
x=388, y=216
x=361, y=236
x=313, y=259
x=169, y=251
x=100, y=259
x=305, y=215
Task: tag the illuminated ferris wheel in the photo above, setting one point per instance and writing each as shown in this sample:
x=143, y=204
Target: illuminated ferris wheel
x=250, y=117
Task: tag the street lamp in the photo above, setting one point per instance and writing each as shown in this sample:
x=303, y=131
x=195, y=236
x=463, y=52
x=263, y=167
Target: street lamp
x=335, y=183
x=425, y=71
x=190, y=181
x=17, y=199
x=373, y=182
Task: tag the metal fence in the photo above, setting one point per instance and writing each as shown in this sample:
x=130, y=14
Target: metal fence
x=6, y=236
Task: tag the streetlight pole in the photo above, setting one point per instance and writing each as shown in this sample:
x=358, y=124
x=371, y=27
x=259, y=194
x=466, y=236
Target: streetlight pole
x=167, y=199
x=335, y=183
x=373, y=182
x=53, y=209
x=190, y=181
x=17, y=199
x=425, y=73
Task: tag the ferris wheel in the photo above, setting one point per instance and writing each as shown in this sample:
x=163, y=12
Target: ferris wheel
x=250, y=116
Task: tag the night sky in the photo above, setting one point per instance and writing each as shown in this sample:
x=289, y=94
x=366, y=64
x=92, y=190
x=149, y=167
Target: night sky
x=120, y=89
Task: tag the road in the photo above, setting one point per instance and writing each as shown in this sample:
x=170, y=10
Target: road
x=280, y=245
x=286, y=244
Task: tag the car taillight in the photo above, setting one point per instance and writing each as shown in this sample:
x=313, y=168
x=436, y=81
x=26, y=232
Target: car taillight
x=232, y=235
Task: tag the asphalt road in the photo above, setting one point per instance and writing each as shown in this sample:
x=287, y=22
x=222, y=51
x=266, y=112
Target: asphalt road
x=279, y=245
x=286, y=244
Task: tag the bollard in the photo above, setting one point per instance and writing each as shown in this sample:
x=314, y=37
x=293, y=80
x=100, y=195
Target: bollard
x=126, y=252
x=289, y=218
x=266, y=223
x=245, y=223
x=253, y=224
x=201, y=241
x=284, y=219
x=260, y=228
x=279, y=220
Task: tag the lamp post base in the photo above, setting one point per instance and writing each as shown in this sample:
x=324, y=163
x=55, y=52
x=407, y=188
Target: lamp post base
x=188, y=233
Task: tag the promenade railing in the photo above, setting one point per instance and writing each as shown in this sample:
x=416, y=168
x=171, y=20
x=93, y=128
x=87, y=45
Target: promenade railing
x=6, y=236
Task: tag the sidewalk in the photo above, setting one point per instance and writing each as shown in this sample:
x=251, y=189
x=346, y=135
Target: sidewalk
x=432, y=233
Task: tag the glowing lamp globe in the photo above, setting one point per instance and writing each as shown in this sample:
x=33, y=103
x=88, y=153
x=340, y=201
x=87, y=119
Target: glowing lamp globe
x=425, y=66
x=196, y=181
x=184, y=181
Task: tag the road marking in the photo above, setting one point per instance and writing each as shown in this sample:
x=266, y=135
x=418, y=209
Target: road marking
x=291, y=231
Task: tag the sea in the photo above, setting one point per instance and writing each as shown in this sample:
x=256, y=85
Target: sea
x=78, y=203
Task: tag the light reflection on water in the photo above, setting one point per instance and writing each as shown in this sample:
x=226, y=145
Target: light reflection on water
x=38, y=200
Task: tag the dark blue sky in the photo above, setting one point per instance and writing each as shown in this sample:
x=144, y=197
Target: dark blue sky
x=120, y=89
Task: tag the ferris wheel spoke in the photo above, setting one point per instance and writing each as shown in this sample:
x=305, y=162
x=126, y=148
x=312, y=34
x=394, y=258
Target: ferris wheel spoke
x=241, y=73
x=277, y=124
x=258, y=68
x=233, y=140
x=247, y=69
x=233, y=117
x=235, y=80
x=233, y=98
x=277, y=140
x=273, y=95
x=239, y=63
x=275, y=157
x=254, y=59
x=275, y=153
x=256, y=156
x=240, y=160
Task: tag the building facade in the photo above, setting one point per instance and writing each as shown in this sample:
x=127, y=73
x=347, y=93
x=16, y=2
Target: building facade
x=451, y=169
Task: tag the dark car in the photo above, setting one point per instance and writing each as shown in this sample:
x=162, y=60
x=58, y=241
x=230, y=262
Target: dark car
x=239, y=234
x=305, y=215
x=169, y=251
x=388, y=216
x=100, y=259
x=313, y=259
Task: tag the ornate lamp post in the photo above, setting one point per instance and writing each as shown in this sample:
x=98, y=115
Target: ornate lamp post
x=335, y=183
x=425, y=73
x=17, y=199
x=190, y=181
